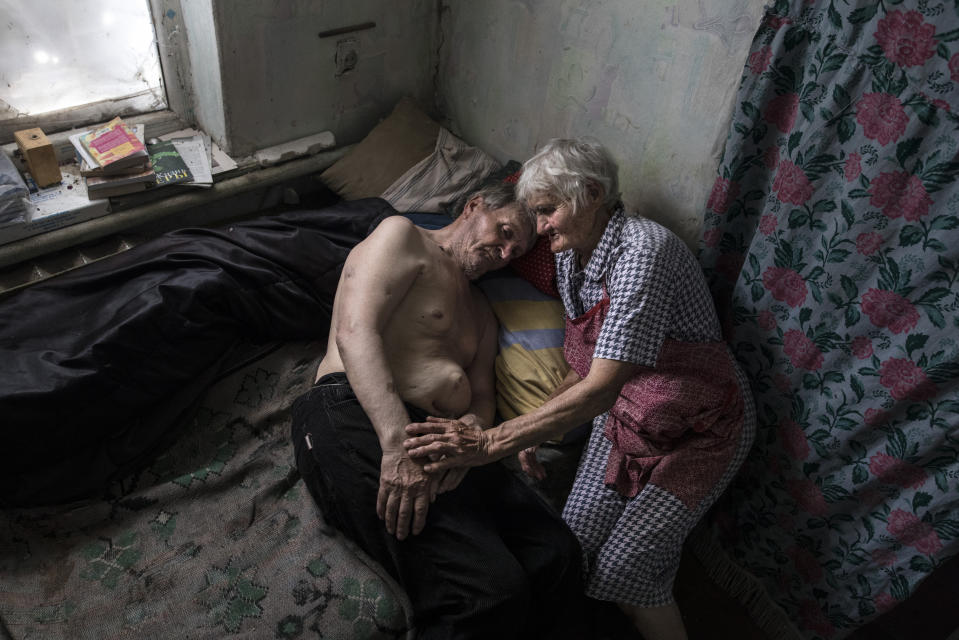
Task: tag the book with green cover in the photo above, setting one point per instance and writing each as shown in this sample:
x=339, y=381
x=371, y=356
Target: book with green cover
x=169, y=166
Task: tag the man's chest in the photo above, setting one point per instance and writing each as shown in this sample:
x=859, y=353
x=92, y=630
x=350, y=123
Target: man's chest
x=441, y=309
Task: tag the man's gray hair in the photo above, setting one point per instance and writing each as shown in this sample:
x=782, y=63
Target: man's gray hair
x=499, y=194
x=563, y=169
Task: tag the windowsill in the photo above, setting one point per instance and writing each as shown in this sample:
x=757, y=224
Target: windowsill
x=156, y=124
x=89, y=230
x=67, y=203
x=128, y=213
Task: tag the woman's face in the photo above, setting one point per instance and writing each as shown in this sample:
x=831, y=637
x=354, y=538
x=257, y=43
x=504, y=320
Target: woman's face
x=555, y=220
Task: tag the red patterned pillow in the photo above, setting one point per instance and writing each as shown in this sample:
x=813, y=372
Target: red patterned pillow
x=538, y=267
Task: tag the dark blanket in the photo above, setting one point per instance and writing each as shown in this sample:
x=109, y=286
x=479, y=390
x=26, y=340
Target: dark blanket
x=97, y=364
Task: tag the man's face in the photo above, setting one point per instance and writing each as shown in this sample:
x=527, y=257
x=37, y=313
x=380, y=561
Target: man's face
x=494, y=237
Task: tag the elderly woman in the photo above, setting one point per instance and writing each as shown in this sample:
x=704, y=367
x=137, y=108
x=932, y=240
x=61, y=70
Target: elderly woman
x=671, y=416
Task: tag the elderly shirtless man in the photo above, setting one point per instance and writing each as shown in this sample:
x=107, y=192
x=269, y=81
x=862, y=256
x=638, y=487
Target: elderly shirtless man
x=479, y=555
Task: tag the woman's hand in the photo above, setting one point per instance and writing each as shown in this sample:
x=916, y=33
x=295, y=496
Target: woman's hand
x=530, y=464
x=456, y=443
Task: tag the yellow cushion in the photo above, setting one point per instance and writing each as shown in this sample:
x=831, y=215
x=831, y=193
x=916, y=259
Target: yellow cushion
x=530, y=363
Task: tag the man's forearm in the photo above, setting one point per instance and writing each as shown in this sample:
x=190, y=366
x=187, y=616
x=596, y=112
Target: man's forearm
x=364, y=359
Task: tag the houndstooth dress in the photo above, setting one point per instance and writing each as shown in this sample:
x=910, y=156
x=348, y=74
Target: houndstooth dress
x=650, y=292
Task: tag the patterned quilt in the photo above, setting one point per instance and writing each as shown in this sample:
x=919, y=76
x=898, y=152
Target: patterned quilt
x=216, y=538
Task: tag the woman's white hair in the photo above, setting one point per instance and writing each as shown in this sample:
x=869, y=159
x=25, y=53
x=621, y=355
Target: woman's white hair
x=564, y=168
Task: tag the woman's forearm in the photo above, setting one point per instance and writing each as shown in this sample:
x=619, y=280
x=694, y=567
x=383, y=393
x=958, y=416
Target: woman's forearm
x=455, y=443
x=580, y=402
x=571, y=378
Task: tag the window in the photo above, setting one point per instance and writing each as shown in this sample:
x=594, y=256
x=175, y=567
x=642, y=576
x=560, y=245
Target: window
x=63, y=64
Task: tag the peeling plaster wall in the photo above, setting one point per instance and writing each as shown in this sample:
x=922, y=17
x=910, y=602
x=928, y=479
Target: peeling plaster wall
x=280, y=79
x=204, y=80
x=653, y=80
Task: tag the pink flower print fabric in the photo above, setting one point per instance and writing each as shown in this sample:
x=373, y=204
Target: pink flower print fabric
x=831, y=243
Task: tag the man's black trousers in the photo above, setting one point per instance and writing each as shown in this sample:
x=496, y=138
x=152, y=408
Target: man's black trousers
x=493, y=561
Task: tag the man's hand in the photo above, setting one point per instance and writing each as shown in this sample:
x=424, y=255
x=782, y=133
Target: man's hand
x=456, y=443
x=530, y=465
x=404, y=496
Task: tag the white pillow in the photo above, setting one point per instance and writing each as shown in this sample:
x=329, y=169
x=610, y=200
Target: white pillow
x=437, y=182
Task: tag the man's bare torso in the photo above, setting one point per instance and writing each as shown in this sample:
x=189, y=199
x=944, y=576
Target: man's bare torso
x=430, y=338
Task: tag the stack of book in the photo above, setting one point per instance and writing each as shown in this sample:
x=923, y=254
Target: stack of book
x=114, y=161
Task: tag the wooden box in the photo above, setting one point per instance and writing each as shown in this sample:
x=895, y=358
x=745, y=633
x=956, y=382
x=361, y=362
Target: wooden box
x=40, y=157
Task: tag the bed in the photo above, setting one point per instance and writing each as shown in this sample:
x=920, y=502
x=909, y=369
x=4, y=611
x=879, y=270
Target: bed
x=147, y=478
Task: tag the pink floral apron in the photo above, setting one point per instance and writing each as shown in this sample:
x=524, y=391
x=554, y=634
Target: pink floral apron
x=676, y=425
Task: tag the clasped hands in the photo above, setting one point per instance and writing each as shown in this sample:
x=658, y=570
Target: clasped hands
x=411, y=477
x=448, y=443
x=453, y=443
x=436, y=456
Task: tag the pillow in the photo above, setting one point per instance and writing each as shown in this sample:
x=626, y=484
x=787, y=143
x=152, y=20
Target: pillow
x=397, y=143
x=530, y=362
x=453, y=170
x=538, y=267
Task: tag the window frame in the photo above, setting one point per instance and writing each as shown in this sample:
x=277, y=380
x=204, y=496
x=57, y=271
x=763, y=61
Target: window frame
x=174, y=58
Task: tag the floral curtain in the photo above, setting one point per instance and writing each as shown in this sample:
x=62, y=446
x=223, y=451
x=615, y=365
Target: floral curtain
x=831, y=242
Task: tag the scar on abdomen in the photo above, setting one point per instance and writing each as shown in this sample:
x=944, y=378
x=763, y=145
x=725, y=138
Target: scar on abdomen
x=437, y=313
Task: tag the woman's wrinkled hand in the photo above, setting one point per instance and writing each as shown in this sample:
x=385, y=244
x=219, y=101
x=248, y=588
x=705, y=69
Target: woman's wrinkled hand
x=449, y=444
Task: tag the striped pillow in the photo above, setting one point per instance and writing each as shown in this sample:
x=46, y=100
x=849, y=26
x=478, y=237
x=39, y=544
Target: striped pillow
x=434, y=184
x=530, y=363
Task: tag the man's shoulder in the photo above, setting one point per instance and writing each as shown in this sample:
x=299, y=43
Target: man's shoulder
x=399, y=226
x=395, y=233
